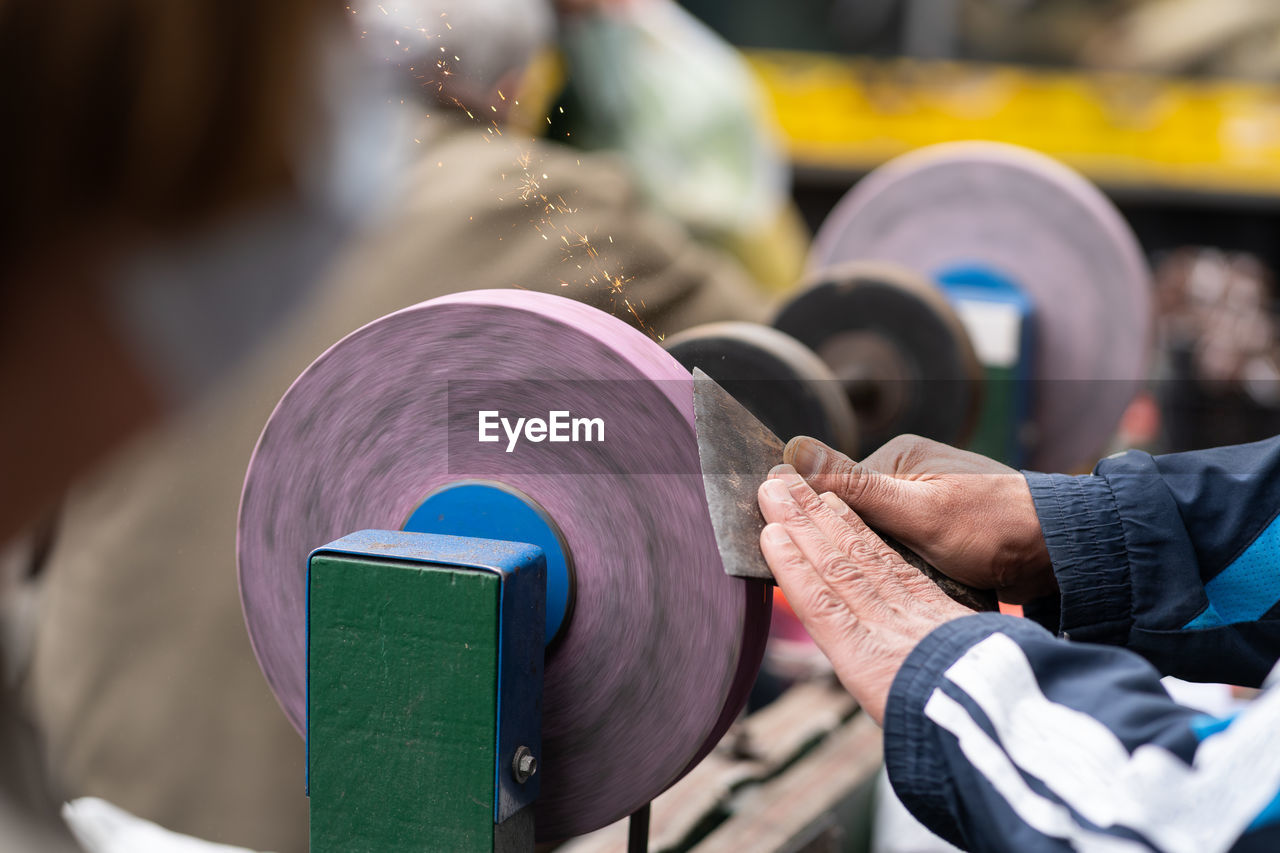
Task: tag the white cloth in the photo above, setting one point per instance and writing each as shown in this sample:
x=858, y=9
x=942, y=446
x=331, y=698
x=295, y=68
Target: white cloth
x=103, y=828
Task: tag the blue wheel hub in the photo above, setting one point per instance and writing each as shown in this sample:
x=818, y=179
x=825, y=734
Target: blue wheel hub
x=487, y=510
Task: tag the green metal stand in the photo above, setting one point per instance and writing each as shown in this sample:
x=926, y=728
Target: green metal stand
x=424, y=705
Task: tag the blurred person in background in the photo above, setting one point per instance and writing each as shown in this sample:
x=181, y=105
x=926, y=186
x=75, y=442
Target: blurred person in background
x=163, y=169
x=136, y=144
x=484, y=203
x=650, y=82
x=142, y=684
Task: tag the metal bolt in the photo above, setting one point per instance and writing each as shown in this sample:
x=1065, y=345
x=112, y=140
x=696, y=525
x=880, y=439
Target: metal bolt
x=523, y=765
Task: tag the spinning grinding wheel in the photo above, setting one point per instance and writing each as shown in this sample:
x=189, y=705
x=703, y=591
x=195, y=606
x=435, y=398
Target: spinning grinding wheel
x=897, y=348
x=1026, y=219
x=780, y=380
x=660, y=647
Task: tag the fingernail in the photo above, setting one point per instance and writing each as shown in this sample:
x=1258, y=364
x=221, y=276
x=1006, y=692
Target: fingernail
x=807, y=455
x=831, y=500
x=776, y=490
x=774, y=534
x=781, y=471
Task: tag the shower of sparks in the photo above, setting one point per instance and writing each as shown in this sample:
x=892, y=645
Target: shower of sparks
x=528, y=188
x=549, y=214
x=550, y=218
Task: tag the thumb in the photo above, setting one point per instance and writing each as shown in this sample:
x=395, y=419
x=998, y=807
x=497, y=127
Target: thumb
x=879, y=498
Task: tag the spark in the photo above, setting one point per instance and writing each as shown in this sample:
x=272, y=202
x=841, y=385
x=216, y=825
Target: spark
x=578, y=247
x=528, y=187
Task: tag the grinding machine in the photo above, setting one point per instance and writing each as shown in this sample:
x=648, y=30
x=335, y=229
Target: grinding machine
x=410, y=648
x=411, y=654
x=974, y=293
x=497, y=550
x=1045, y=273
x=862, y=352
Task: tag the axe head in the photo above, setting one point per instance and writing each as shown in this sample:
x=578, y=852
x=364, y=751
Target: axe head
x=736, y=452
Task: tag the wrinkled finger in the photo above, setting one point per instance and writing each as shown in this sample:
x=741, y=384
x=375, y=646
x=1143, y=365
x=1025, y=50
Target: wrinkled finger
x=874, y=493
x=829, y=517
x=810, y=457
x=779, y=505
x=845, y=554
x=825, y=615
x=864, y=545
x=798, y=578
x=849, y=518
x=839, y=507
x=797, y=498
x=841, y=524
x=816, y=461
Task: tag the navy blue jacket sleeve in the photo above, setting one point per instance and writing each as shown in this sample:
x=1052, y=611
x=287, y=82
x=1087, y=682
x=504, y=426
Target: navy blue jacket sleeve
x=1176, y=557
x=1001, y=737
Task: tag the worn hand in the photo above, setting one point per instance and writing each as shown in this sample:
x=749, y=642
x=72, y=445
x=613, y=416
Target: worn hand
x=968, y=515
x=864, y=607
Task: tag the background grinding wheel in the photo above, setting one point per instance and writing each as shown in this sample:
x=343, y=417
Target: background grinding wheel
x=777, y=378
x=897, y=348
x=1040, y=225
x=662, y=647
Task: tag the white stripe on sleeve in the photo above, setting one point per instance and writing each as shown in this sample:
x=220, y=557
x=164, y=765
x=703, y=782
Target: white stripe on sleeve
x=1198, y=809
x=1041, y=814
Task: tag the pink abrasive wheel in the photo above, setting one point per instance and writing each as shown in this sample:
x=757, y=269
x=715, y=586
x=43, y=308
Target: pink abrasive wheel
x=661, y=647
x=1043, y=227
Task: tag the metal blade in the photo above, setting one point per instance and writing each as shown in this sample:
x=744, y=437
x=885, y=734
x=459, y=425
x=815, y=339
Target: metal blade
x=736, y=452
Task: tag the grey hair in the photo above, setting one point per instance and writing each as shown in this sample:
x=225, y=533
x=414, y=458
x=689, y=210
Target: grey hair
x=462, y=48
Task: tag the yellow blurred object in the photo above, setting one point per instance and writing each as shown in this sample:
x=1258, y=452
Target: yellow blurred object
x=1119, y=129
x=542, y=81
